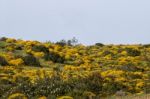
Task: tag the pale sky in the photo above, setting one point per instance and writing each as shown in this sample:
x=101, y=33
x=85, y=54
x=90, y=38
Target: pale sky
x=90, y=21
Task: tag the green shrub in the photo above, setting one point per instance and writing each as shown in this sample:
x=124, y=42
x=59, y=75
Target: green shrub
x=31, y=60
x=19, y=47
x=43, y=87
x=107, y=52
x=62, y=43
x=3, y=44
x=133, y=52
x=146, y=45
x=99, y=44
x=3, y=61
x=3, y=39
x=54, y=57
x=71, y=42
x=40, y=48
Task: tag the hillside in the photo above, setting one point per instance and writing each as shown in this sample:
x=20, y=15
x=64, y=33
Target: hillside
x=32, y=70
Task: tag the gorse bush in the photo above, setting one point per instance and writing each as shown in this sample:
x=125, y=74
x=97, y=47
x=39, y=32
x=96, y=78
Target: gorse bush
x=17, y=96
x=16, y=62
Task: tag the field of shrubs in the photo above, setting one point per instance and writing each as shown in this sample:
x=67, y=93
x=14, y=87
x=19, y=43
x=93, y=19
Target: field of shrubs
x=67, y=70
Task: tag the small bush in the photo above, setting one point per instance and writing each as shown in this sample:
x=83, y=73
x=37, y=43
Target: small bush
x=3, y=44
x=38, y=54
x=17, y=96
x=16, y=62
x=40, y=48
x=3, y=61
x=54, y=57
x=62, y=43
x=19, y=47
x=107, y=53
x=3, y=39
x=133, y=52
x=65, y=97
x=146, y=45
x=10, y=40
x=99, y=44
x=31, y=60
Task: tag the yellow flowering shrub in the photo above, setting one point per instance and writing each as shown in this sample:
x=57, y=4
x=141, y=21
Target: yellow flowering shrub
x=140, y=84
x=67, y=57
x=43, y=97
x=10, y=48
x=65, y=97
x=114, y=73
x=10, y=40
x=38, y=54
x=17, y=96
x=16, y=62
x=107, y=57
x=120, y=79
x=29, y=50
x=124, y=53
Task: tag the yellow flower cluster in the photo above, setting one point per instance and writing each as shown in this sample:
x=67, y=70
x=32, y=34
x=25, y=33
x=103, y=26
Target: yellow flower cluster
x=16, y=62
x=112, y=73
x=38, y=54
x=17, y=96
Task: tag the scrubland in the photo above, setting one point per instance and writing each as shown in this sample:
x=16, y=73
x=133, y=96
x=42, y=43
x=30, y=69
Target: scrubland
x=66, y=70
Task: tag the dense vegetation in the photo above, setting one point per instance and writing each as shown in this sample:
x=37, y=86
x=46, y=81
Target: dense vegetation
x=67, y=70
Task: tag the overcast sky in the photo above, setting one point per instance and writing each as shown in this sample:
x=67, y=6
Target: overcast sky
x=90, y=21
